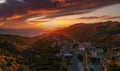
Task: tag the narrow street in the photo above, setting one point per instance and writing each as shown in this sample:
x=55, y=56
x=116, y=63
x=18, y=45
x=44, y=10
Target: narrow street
x=76, y=65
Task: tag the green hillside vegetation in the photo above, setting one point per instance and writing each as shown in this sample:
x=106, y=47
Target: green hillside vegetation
x=18, y=39
x=42, y=58
x=102, y=33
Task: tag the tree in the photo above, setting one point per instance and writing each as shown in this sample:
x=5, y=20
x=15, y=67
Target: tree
x=113, y=67
x=80, y=57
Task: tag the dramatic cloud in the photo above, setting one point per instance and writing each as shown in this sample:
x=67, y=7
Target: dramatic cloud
x=1, y=23
x=14, y=9
x=100, y=17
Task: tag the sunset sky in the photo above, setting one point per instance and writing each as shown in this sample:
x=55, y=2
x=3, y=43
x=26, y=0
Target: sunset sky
x=49, y=14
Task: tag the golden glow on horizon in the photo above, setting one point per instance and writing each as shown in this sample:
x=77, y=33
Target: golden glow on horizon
x=56, y=23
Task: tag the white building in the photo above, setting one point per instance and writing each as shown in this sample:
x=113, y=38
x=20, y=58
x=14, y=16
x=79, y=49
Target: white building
x=97, y=52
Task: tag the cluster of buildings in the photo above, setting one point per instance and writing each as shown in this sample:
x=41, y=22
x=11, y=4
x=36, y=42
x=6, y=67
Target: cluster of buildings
x=68, y=47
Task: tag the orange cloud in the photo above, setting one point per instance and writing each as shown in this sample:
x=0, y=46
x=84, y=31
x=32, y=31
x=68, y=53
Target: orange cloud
x=15, y=17
x=1, y=23
x=30, y=12
x=43, y=11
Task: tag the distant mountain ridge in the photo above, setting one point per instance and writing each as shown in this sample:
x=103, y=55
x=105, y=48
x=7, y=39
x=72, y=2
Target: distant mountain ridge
x=101, y=31
x=22, y=32
x=16, y=38
x=86, y=32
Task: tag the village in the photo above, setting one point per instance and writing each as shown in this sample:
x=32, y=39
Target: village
x=84, y=56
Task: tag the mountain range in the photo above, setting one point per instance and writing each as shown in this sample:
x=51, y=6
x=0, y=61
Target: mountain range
x=93, y=32
x=30, y=53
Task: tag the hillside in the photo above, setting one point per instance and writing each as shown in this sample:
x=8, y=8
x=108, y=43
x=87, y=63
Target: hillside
x=93, y=31
x=17, y=39
x=16, y=42
x=80, y=32
x=101, y=34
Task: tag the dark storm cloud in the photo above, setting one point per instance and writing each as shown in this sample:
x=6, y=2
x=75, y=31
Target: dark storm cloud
x=116, y=17
x=53, y=8
x=11, y=8
x=100, y=17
